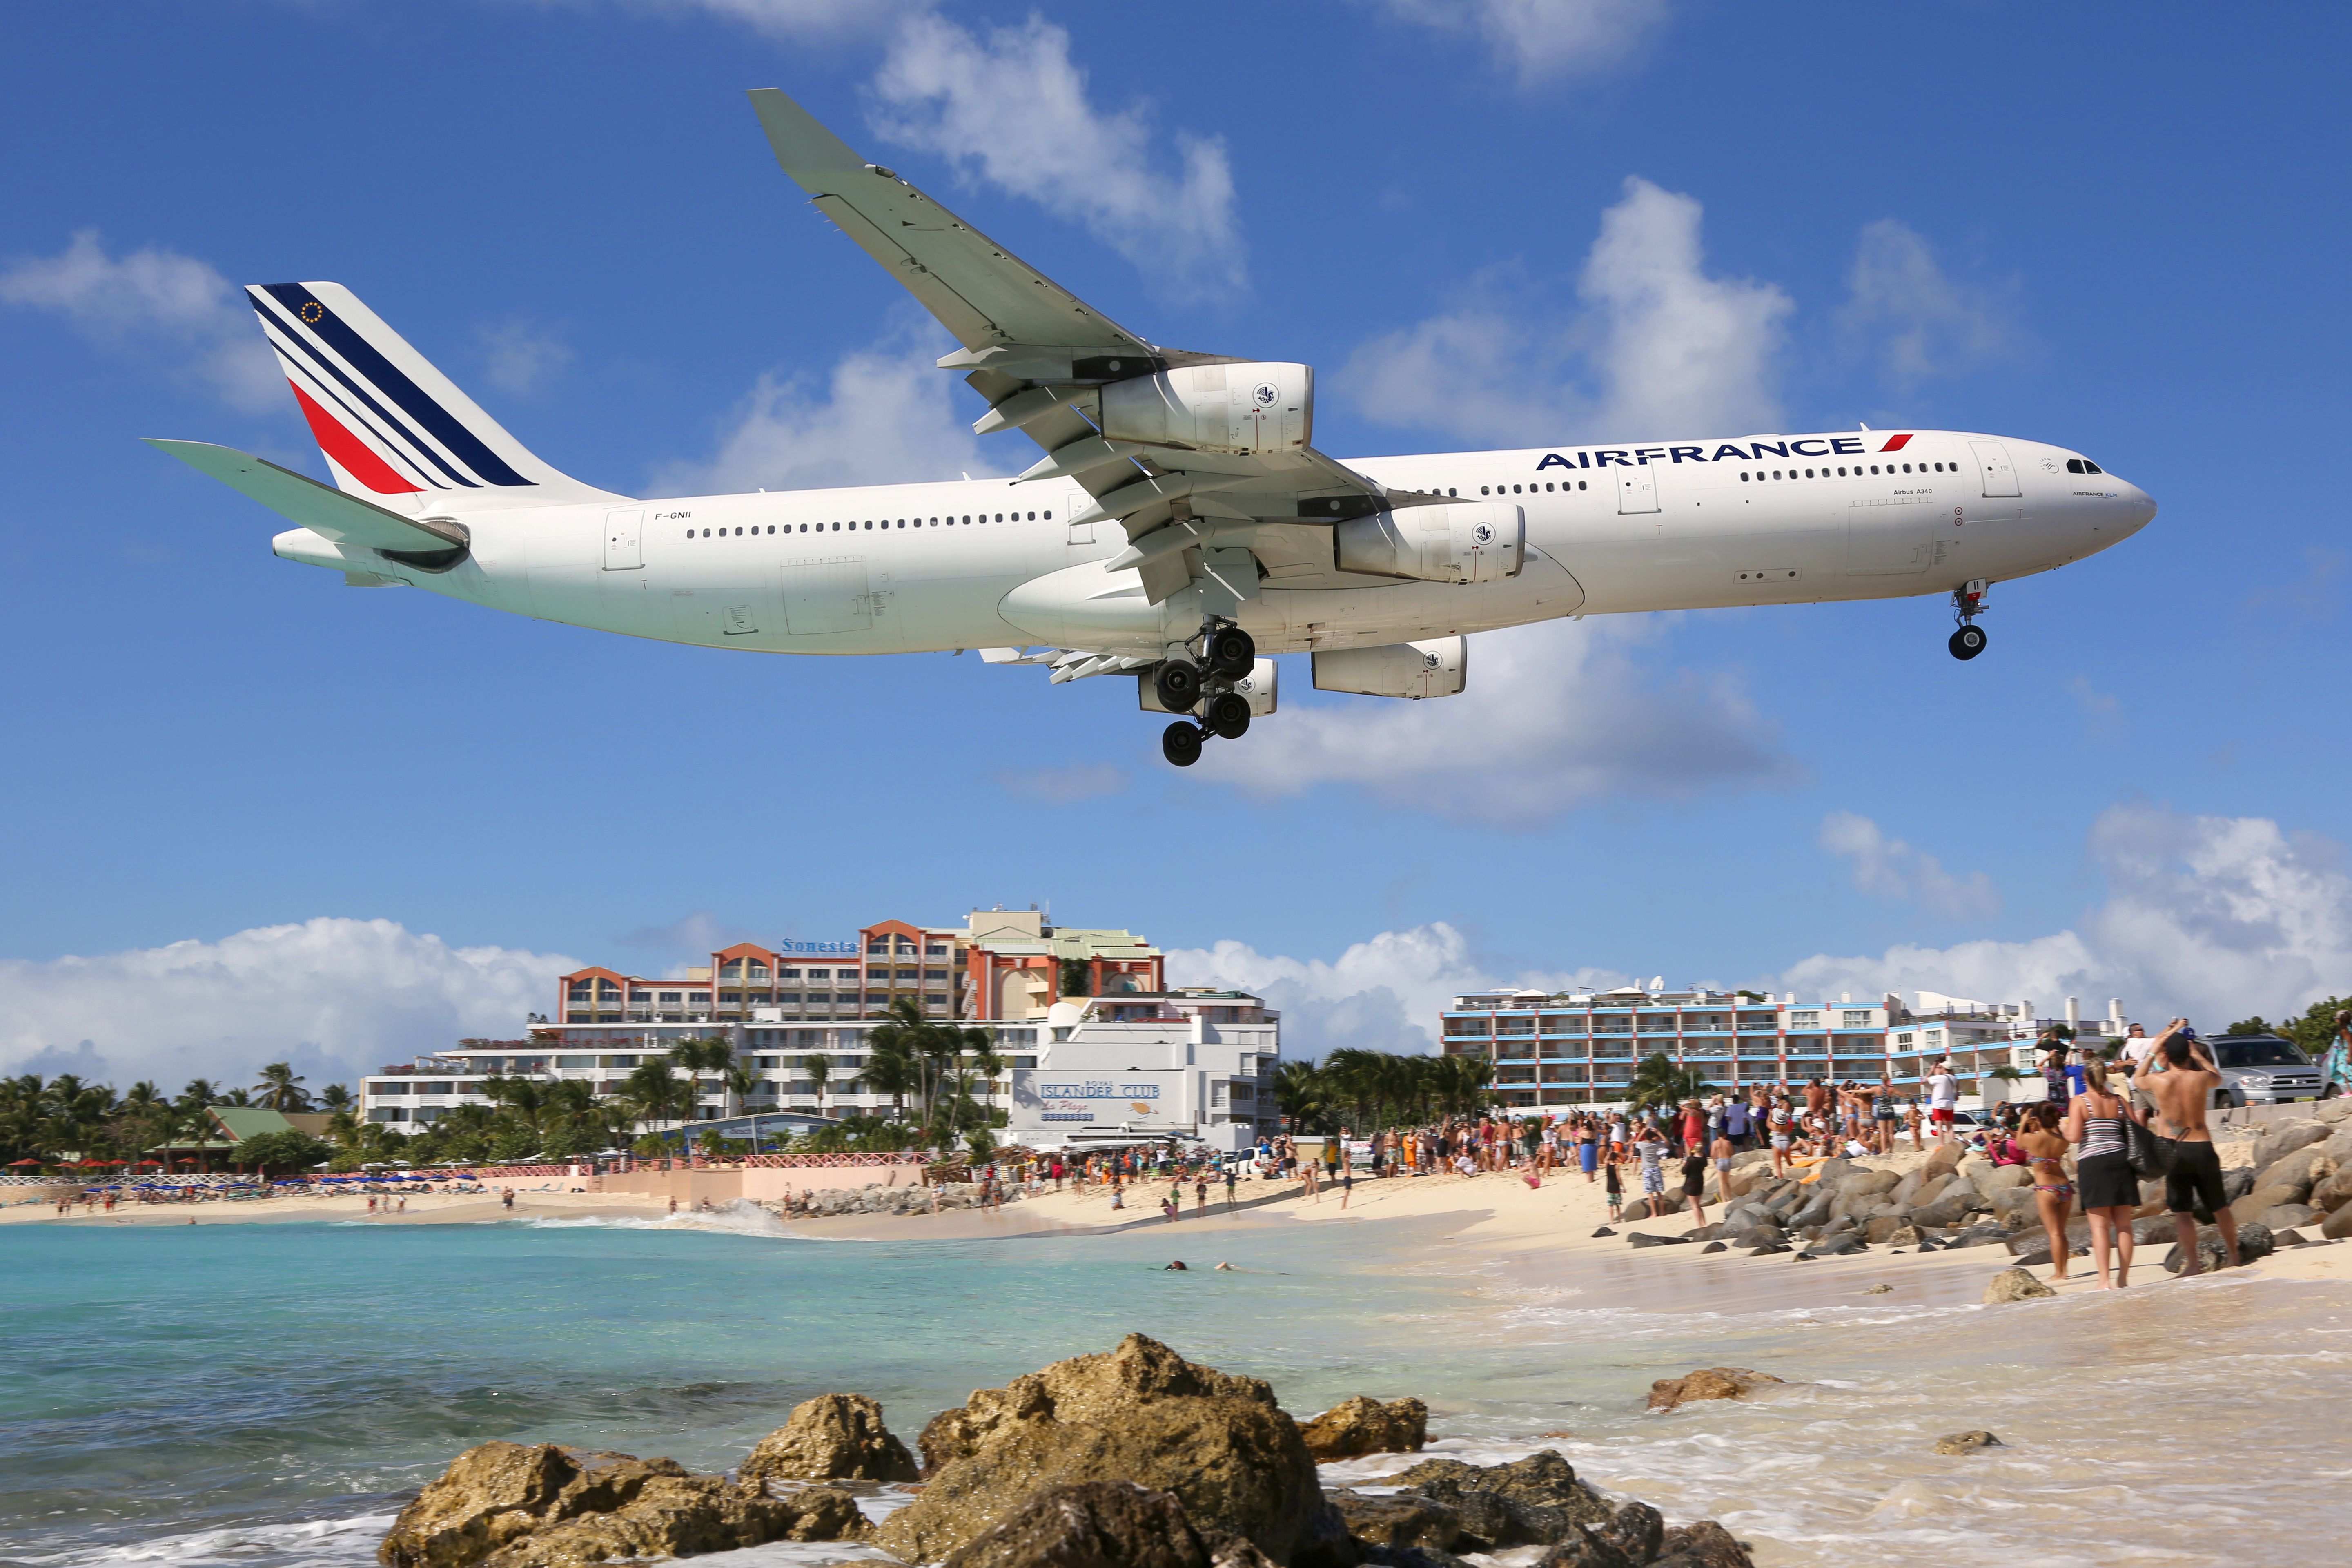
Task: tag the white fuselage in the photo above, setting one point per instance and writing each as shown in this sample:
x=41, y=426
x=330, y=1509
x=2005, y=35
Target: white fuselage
x=900, y=569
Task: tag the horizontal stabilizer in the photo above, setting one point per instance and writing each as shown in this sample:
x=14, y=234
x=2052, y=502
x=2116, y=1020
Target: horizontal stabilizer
x=325, y=512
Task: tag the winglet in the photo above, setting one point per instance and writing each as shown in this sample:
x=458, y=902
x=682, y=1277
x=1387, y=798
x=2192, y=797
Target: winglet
x=804, y=148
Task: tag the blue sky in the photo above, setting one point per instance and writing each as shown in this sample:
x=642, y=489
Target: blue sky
x=2116, y=228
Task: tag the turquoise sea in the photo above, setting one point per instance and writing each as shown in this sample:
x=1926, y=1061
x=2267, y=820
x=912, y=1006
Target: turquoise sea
x=267, y=1394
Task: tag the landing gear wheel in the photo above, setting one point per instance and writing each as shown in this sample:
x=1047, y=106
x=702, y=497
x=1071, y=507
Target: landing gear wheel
x=1180, y=743
x=1177, y=683
x=1967, y=642
x=1231, y=652
x=1229, y=715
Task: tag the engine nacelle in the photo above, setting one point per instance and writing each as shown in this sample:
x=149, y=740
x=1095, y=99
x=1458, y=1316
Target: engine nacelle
x=1466, y=541
x=1438, y=667
x=1234, y=408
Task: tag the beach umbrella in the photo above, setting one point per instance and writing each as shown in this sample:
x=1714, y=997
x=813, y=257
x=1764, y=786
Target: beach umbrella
x=14, y=1164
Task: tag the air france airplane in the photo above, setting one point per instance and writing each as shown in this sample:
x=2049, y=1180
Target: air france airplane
x=1181, y=526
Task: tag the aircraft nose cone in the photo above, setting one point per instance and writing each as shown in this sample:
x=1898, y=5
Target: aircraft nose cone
x=2139, y=507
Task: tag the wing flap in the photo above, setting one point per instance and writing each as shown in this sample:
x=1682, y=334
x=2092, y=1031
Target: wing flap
x=324, y=511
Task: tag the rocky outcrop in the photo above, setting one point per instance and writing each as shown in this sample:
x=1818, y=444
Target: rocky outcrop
x=1966, y=1441
x=510, y=1505
x=2254, y=1242
x=1708, y=1382
x=2014, y=1285
x=2333, y=1192
x=2278, y=1139
x=1365, y=1426
x=1534, y=1501
x=1141, y=1412
x=1705, y=1545
x=835, y=1436
x=1091, y=1524
x=2339, y=1224
x=1399, y=1520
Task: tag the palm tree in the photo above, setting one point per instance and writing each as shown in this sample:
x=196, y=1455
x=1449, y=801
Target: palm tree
x=335, y=1096
x=280, y=1089
x=1300, y=1094
x=1658, y=1081
x=524, y=1099
x=891, y=1069
x=981, y=1046
x=711, y=1056
x=819, y=1069
x=656, y=1094
x=906, y=1041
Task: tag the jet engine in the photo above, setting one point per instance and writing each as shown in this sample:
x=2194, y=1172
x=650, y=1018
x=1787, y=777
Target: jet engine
x=1235, y=408
x=1437, y=667
x=1466, y=542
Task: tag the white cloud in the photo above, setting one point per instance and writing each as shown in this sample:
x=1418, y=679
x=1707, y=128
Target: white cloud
x=887, y=416
x=1012, y=108
x=520, y=356
x=1559, y=716
x=2210, y=916
x=1916, y=321
x=1064, y=786
x=158, y=305
x=1889, y=869
x=1535, y=39
x=335, y=997
x=793, y=21
x=1659, y=347
x=1383, y=993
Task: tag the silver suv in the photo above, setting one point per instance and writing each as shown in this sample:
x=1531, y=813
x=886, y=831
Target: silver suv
x=2262, y=1069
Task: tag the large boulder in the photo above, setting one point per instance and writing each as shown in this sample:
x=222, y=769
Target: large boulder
x=2302, y=1171
x=1092, y=1524
x=2333, y=1193
x=1966, y=1441
x=1637, y=1530
x=1948, y=1208
x=1365, y=1426
x=2286, y=1216
x=1705, y=1545
x=2287, y=1135
x=1534, y=1501
x=1708, y=1382
x=2252, y=1205
x=1942, y=1161
x=2254, y=1242
x=542, y=1506
x=2014, y=1285
x=2338, y=1224
x=1139, y=1412
x=1398, y=1520
x=835, y=1436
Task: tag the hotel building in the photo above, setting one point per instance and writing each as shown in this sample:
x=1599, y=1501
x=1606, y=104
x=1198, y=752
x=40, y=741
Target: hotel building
x=1577, y=1048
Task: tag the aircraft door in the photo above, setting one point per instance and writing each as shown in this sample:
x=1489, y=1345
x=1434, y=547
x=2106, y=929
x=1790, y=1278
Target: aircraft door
x=1992, y=463
x=623, y=540
x=1637, y=491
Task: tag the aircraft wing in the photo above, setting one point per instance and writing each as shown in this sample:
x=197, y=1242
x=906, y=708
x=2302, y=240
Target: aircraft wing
x=1041, y=355
x=324, y=511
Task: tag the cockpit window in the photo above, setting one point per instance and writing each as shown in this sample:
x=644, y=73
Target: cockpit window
x=2082, y=466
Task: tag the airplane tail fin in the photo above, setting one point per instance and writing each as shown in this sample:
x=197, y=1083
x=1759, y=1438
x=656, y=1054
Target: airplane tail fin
x=395, y=430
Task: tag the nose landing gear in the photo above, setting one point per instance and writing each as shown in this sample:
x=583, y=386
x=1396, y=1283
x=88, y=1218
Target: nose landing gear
x=1968, y=603
x=1228, y=653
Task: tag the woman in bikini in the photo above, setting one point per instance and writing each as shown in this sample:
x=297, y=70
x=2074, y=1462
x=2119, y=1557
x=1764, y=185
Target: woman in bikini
x=2053, y=1193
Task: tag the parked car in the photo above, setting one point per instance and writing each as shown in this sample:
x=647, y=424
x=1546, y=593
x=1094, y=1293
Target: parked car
x=2262, y=1069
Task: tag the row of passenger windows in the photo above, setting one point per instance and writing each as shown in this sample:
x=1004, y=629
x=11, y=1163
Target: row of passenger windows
x=872, y=523
x=1760, y=476
x=1531, y=490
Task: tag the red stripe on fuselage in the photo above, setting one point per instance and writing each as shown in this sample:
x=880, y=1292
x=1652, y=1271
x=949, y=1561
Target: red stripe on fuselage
x=1896, y=444
x=350, y=453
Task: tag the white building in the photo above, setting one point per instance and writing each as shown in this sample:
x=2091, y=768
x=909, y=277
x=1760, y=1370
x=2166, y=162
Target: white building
x=1200, y=1066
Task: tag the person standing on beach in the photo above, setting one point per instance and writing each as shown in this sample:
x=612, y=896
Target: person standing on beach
x=2336, y=1067
x=1588, y=1147
x=1781, y=1122
x=2182, y=1091
x=1693, y=1128
x=1943, y=1098
x=2108, y=1192
x=1695, y=1183
x=1231, y=1176
x=1652, y=1149
x=1613, y=1188
x=2053, y=1194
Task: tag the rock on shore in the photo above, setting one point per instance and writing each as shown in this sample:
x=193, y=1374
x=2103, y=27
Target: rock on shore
x=509, y=1505
x=1365, y=1426
x=1141, y=1412
x=835, y=1436
x=1708, y=1382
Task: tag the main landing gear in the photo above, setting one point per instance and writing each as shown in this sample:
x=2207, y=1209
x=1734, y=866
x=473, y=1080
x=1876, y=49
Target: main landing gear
x=1968, y=603
x=1224, y=653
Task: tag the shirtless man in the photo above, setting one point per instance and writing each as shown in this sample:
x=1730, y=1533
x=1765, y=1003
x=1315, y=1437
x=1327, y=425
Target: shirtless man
x=2182, y=1092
